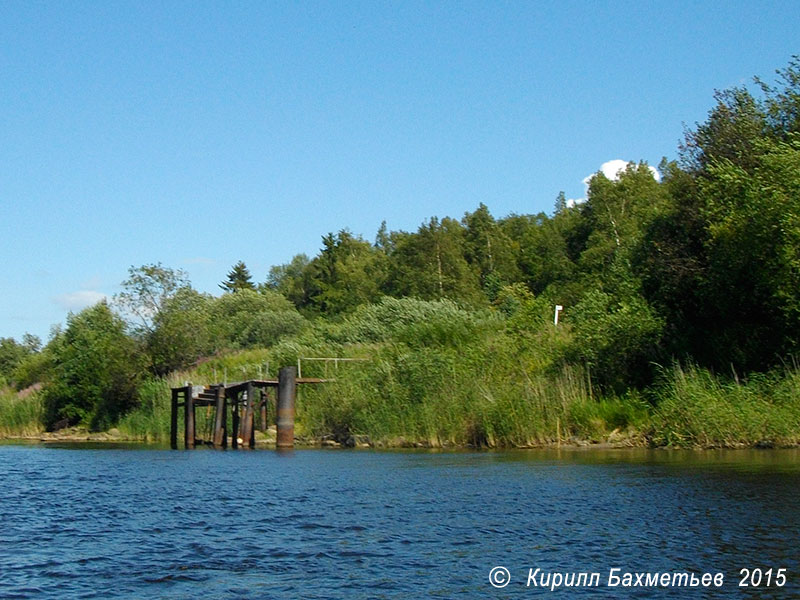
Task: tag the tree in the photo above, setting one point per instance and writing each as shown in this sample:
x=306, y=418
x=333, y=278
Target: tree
x=672, y=264
x=95, y=370
x=782, y=102
x=11, y=355
x=250, y=319
x=617, y=212
x=487, y=249
x=146, y=291
x=238, y=279
x=617, y=337
x=722, y=263
x=542, y=250
x=183, y=331
x=732, y=126
x=292, y=280
x=383, y=240
x=753, y=250
x=348, y=272
x=430, y=264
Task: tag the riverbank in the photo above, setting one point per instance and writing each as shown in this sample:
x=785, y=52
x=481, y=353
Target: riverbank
x=615, y=441
x=402, y=399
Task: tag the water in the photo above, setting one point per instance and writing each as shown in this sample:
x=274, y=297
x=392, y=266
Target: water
x=79, y=522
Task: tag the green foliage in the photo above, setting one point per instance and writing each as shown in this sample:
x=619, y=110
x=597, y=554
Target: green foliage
x=782, y=102
x=617, y=337
x=182, y=331
x=96, y=368
x=33, y=369
x=543, y=249
x=721, y=263
x=478, y=395
x=412, y=321
x=239, y=278
x=347, y=273
x=616, y=213
x=697, y=408
x=13, y=354
x=733, y=125
x=146, y=291
x=192, y=325
x=292, y=280
x=753, y=250
x=20, y=414
x=703, y=267
x=250, y=319
x=431, y=264
x=617, y=418
x=150, y=420
x=487, y=248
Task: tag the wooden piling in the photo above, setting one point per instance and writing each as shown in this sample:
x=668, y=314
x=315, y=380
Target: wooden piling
x=249, y=416
x=219, y=419
x=235, y=420
x=263, y=410
x=173, y=423
x=287, y=392
x=188, y=411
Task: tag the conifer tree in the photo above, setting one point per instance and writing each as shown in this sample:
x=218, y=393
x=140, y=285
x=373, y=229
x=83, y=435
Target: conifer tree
x=238, y=279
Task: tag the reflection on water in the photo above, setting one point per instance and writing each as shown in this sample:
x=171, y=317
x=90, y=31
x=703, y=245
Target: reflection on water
x=137, y=522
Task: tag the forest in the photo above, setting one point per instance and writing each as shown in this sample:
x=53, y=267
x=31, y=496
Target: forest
x=680, y=323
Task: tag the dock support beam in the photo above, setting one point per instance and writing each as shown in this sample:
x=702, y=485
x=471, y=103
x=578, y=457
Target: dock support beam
x=220, y=437
x=287, y=391
x=235, y=420
x=188, y=420
x=263, y=406
x=173, y=422
x=248, y=431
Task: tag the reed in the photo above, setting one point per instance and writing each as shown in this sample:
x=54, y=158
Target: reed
x=465, y=396
x=698, y=408
x=20, y=415
x=150, y=420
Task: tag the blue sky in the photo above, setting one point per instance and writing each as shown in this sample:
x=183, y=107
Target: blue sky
x=197, y=134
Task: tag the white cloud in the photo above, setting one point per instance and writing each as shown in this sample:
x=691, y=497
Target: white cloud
x=80, y=300
x=612, y=169
x=571, y=202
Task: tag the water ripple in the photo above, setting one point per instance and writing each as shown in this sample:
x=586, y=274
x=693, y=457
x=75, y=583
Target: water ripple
x=159, y=524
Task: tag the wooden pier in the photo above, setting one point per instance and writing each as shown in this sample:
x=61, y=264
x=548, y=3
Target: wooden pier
x=242, y=400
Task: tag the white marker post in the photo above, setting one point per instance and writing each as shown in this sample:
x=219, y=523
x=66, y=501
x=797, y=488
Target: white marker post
x=559, y=308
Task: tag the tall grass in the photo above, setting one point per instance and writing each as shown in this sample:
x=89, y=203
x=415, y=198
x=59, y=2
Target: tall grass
x=697, y=408
x=439, y=376
x=475, y=395
x=20, y=416
x=150, y=420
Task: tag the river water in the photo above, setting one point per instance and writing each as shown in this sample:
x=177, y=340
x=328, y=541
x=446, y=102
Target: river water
x=139, y=522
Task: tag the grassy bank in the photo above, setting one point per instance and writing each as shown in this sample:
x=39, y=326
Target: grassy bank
x=438, y=375
x=456, y=399
x=403, y=398
x=696, y=408
x=21, y=413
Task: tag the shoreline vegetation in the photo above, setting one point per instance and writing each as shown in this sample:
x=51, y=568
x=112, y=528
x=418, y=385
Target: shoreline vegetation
x=695, y=410
x=662, y=310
